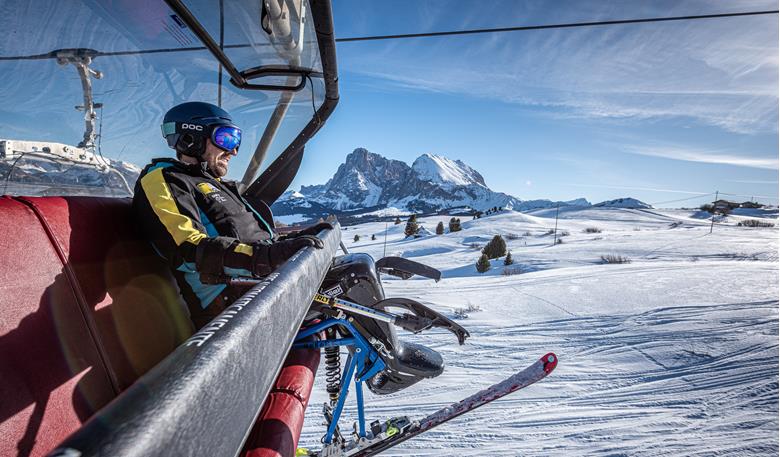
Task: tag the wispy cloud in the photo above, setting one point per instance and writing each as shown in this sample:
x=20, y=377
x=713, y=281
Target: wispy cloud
x=647, y=189
x=750, y=181
x=703, y=156
x=722, y=73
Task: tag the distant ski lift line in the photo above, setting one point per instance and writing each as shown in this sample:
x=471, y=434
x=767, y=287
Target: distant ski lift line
x=554, y=26
x=416, y=35
x=135, y=52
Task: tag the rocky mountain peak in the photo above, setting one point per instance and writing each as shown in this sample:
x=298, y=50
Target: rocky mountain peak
x=361, y=158
x=363, y=170
x=433, y=183
x=441, y=170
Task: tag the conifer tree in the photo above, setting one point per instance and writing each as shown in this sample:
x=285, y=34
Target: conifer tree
x=508, y=260
x=454, y=225
x=440, y=228
x=357, y=238
x=411, y=226
x=373, y=237
x=495, y=248
x=483, y=264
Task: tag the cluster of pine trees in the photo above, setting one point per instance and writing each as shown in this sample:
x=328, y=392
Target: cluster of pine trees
x=487, y=212
x=495, y=249
x=412, y=227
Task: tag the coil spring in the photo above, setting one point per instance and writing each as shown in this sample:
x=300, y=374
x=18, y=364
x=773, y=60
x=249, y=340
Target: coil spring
x=332, y=371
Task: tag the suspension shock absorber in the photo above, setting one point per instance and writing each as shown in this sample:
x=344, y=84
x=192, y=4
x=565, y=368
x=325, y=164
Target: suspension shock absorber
x=332, y=369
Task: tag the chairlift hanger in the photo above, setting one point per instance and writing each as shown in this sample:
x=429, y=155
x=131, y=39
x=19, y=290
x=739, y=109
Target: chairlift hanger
x=278, y=175
x=238, y=78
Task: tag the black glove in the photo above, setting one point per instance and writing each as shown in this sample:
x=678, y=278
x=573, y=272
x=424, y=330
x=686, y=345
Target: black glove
x=316, y=228
x=267, y=257
x=309, y=231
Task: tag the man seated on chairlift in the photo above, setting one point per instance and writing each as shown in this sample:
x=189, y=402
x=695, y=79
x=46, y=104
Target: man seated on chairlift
x=200, y=223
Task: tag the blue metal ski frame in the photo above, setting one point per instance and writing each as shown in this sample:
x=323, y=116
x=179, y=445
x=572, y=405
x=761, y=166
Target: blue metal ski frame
x=363, y=362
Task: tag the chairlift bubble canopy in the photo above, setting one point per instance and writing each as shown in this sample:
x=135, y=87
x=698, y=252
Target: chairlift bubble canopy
x=271, y=64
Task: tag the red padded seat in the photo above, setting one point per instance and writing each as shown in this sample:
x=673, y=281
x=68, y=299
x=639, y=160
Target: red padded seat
x=52, y=377
x=127, y=289
x=86, y=307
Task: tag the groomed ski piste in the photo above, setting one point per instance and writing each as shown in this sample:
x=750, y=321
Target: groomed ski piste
x=674, y=353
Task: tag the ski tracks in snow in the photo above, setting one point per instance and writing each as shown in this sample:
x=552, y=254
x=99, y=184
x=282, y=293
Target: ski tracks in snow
x=685, y=380
x=674, y=354
x=705, y=383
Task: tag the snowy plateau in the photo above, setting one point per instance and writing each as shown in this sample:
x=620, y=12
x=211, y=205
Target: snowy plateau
x=367, y=183
x=672, y=354
x=41, y=176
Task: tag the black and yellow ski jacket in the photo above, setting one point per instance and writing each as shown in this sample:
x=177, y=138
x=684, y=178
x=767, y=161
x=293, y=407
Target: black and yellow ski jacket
x=202, y=226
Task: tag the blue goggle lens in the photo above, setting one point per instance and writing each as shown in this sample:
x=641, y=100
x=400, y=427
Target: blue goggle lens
x=226, y=137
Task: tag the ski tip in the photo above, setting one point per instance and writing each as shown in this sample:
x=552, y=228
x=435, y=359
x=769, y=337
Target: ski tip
x=550, y=361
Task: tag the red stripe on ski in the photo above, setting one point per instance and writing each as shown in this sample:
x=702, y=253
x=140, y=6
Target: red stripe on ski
x=517, y=381
x=533, y=373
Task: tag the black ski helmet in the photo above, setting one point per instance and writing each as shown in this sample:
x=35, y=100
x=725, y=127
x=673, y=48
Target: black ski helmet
x=187, y=126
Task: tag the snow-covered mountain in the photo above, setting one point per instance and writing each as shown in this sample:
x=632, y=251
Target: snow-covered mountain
x=624, y=203
x=445, y=172
x=367, y=182
x=36, y=175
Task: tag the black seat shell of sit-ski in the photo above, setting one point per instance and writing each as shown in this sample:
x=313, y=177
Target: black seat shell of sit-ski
x=410, y=362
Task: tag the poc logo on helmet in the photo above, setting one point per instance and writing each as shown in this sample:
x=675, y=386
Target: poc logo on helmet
x=192, y=127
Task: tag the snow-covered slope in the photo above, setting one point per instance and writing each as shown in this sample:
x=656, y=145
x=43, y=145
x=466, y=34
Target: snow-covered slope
x=675, y=353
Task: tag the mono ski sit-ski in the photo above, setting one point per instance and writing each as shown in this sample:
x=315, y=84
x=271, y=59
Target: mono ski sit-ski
x=352, y=311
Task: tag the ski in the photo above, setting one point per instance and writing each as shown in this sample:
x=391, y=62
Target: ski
x=398, y=430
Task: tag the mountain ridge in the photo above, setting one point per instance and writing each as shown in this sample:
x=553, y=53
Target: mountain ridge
x=433, y=183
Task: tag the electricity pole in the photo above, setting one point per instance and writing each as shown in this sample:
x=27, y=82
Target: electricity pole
x=555, y=232
x=712, y=224
x=384, y=252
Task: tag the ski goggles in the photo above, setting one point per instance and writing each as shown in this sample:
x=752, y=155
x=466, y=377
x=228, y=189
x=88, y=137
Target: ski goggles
x=226, y=137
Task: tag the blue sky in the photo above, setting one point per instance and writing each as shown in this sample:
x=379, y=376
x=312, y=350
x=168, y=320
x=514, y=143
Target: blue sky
x=659, y=112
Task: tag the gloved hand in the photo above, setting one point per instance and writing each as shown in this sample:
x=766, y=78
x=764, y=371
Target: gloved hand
x=316, y=228
x=309, y=231
x=267, y=257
